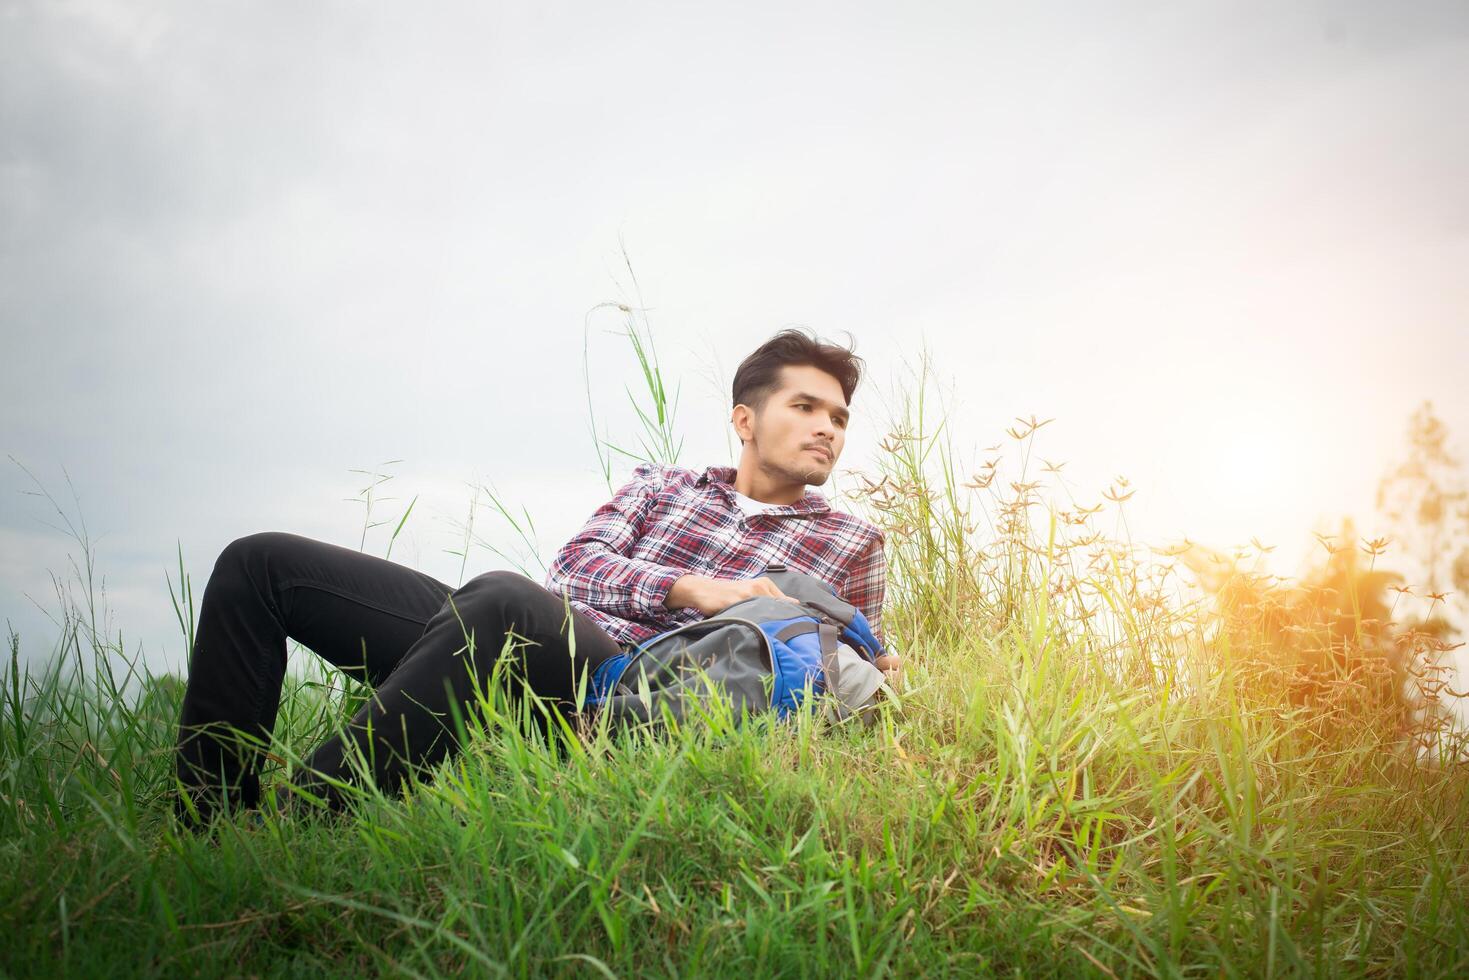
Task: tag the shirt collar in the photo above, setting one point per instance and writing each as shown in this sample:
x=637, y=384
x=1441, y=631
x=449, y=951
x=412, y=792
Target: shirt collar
x=723, y=477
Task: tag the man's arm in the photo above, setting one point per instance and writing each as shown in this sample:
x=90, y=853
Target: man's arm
x=866, y=584
x=594, y=568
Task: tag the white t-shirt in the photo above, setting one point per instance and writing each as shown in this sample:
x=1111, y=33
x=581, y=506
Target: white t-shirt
x=750, y=505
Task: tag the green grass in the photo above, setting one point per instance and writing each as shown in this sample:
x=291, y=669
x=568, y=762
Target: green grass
x=1081, y=779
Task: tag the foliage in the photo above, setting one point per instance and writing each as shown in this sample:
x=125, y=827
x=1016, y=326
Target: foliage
x=1426, y=499
x=1329, y=643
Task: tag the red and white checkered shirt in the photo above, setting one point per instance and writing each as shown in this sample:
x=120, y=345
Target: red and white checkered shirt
x=668, y=521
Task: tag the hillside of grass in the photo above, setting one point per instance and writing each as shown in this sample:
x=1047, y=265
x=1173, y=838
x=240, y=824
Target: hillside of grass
x=1093, y=769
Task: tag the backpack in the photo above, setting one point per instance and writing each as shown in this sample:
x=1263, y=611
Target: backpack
x=760, y=652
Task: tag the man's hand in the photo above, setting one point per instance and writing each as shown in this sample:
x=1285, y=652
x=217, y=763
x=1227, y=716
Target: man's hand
x=890, y=664
x=710, y=595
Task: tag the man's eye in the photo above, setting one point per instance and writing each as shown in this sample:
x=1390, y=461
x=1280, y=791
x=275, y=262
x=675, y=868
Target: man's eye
x=840, y=421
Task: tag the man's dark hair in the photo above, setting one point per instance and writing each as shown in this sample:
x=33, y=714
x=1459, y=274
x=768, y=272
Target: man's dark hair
x=758, y=376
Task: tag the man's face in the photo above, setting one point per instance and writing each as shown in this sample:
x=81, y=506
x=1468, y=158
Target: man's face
x=800, y=433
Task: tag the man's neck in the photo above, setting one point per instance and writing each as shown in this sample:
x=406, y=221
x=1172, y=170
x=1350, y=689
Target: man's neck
x=756, y=484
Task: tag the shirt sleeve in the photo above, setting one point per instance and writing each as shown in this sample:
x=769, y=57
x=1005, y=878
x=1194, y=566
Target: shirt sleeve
x=594, y=567
x=867, y=584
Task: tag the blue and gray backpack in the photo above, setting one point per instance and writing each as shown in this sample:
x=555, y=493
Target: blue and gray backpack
x=760, y=652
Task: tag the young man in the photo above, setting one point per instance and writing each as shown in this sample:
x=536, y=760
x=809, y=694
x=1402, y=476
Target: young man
x=672, y=547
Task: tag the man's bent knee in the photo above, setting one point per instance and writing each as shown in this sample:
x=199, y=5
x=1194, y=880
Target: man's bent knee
x=242, y=549
x=500, y=596
x=501, y=583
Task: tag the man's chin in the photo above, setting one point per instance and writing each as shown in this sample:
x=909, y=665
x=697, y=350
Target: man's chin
x=802, y=471
x=817, y=476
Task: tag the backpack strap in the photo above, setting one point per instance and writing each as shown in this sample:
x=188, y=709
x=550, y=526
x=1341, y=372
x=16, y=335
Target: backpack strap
x=852, y=681
x=827, y=635
x=799, y=628
x=829, y=639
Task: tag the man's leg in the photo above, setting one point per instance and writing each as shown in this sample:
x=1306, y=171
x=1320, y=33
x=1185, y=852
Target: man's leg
x=359, y=612
x=410, y=717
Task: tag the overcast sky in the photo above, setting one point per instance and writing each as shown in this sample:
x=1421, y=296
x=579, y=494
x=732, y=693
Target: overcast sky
x=247, y=248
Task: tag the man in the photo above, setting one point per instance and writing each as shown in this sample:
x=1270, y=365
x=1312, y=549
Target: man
x=672, y=547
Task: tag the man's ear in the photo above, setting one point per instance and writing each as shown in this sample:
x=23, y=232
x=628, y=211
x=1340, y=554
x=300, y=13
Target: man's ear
x=743, y=418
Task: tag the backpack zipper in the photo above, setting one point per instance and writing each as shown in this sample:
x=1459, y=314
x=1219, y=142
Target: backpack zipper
x=764, y=642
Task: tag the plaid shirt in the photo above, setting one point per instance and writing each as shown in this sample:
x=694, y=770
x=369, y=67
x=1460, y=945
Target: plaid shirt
x=668, y=521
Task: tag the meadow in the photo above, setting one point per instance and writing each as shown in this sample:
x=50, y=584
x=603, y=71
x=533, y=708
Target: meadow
x=1096, y=767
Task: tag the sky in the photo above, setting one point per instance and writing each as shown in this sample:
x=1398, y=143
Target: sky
x=247, y=249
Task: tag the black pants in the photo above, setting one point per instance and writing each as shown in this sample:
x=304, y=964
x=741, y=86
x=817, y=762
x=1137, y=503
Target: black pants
x=399, y=630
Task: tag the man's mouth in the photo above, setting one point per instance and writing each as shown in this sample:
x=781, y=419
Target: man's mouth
x=820, y=452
